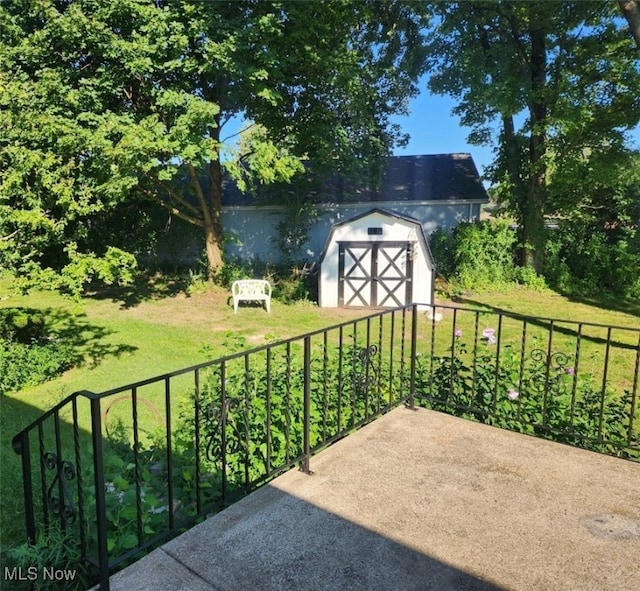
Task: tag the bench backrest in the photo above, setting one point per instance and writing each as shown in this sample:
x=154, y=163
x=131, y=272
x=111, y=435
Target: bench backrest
x=249, y=287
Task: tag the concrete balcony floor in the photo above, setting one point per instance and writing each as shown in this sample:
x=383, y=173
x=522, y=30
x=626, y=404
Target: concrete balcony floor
x=423, y=501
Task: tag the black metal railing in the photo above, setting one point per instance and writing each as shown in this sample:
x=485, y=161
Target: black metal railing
x=573, y=382
x=121, y=471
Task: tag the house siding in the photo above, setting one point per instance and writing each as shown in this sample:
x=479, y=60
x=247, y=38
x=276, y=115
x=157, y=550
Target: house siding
x=251, y=232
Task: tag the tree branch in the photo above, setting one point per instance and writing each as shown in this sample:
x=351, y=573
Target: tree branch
x=175, y=211
x=181, y=200
x=9, y=236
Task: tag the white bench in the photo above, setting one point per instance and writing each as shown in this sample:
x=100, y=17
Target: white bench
x=251, y=290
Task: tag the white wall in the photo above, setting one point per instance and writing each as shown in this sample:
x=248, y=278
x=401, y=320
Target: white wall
x=393, y=229
x=253, y=227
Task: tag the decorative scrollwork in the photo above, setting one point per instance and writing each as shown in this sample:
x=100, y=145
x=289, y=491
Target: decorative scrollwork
x=64, y=507
x=366, y=376
x=558, y=360
x=548, y=375
x=539, y=356
x=217, y=417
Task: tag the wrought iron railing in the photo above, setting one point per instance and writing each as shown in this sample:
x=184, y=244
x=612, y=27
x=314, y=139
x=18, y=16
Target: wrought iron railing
x=573, y=382
x=121, y=471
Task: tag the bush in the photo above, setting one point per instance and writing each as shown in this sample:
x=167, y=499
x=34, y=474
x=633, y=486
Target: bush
x=584, y=258
x=476, y=255
x=27, y=356
x=20, y=325
x=52, y=562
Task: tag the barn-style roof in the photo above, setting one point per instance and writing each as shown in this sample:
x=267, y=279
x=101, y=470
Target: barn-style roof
x=433, y=177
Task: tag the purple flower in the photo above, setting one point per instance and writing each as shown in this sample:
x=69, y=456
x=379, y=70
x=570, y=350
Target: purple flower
x=513, y=394
x=458, y=332
x=488, y=333
x=570, y=371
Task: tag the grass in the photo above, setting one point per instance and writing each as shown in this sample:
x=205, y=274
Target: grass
x=623, y=341
x=123, y=339
x=125, y=335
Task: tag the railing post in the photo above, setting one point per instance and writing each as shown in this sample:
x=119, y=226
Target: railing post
x=304, y=467
x=20, y=445
x=101, y=505
x=414, y=348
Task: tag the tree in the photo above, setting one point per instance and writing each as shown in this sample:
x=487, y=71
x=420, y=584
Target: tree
x=631, y=11
x=554, y=77
x=105, y=102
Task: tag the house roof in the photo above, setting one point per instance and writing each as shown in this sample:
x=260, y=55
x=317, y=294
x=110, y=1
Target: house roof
x=433, y=177
x=386, y=213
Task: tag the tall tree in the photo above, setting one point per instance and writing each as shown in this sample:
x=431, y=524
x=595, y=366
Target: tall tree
x=552, y=77
x=631, y=11
x=103, y=101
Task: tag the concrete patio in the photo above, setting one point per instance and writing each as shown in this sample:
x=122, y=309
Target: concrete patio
x=419, y=500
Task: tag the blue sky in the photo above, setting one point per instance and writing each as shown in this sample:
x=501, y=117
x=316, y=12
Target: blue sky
x=434, y=130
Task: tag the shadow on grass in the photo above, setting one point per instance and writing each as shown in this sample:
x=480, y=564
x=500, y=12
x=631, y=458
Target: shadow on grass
x=625, y=305
x=146, y=287
x=544, y=323
x=83, y=339
x=14, y=415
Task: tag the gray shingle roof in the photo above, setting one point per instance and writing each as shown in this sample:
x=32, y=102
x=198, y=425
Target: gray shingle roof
x=433, y=177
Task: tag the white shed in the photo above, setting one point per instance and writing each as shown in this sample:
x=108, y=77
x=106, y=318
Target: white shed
x=378, y=259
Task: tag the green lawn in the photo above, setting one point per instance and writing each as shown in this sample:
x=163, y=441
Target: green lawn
x=126, y=335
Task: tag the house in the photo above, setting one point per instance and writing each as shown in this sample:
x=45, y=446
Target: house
x=438, y=190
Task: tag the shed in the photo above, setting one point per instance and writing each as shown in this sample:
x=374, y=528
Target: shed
x=378, y=259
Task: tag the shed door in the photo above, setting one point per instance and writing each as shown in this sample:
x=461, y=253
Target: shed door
x=374, y=274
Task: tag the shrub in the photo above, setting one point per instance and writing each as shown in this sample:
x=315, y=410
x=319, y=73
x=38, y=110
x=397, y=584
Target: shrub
x=21, y=326
x=52, y=562
x=586, y=258
x=540, y=395
x=28, y=356
x=476, y=255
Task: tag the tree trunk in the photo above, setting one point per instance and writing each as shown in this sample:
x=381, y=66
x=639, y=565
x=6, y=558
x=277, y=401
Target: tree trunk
x=533, y=231
x=213, y=228
x=631, y=11
x=213, y=249
x=210, y=211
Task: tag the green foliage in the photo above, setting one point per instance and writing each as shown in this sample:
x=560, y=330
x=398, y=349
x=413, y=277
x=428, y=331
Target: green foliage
x=53, y=562
x=295, y=285
x=483, y=254
x=107, y=104
x=480, y=255
x=264, y=418
x=441, y=245
x=27, y=356
x=545, y=83
x=538, y=395
x=29, y=365
x=586, y=258
x=22, y=326
x=292, y=232
x=236, y=269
